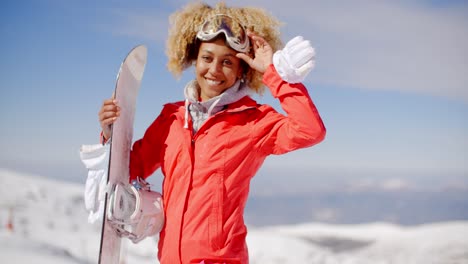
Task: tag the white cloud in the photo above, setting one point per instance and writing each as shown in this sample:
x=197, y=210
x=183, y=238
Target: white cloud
x=325, y=215
x=395, y=184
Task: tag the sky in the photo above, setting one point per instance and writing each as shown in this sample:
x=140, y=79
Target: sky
x=391, y=80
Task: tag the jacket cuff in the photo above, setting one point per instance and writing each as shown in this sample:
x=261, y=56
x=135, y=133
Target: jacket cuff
x=276, y=84
x=103, y=139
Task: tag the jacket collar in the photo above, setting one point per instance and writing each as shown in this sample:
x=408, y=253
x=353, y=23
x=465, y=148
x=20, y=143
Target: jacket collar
x=244, y=103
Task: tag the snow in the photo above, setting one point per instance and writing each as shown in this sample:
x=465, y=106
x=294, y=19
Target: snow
x=50, y=226
x=367, y=243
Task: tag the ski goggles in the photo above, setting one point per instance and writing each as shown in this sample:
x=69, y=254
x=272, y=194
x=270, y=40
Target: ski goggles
x=236, y=35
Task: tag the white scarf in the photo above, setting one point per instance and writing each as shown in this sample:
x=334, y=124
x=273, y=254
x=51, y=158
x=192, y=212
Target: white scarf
x=200, y=111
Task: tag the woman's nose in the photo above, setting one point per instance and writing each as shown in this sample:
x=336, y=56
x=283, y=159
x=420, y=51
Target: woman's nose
x=215, y=68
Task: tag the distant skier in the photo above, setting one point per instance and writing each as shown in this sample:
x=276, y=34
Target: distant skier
x=9, y=224
x=210, y=145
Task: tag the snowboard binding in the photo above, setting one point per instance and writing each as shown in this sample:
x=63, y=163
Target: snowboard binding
x=134, y=210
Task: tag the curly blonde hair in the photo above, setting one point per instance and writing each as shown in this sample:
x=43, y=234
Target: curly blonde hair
x=182, y=45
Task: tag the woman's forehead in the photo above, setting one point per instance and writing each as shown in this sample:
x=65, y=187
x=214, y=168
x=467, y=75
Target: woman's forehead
x=218, y=46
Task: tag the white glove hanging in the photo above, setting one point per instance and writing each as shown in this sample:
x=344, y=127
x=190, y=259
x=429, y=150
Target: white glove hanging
x=96, y=159
x=295, y=60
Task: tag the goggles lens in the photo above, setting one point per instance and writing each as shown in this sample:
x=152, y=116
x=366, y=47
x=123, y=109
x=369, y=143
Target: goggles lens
x=235, y=33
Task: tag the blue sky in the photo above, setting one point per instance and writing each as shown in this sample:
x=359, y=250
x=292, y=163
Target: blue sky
x=391, y=80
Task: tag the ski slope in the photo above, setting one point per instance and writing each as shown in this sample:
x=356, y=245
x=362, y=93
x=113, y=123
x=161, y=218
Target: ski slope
x=50, y=226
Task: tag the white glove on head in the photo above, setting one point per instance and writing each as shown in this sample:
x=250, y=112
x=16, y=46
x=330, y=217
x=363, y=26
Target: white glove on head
x=295, y=60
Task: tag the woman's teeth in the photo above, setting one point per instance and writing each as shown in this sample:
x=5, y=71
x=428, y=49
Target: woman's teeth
x=213, y=82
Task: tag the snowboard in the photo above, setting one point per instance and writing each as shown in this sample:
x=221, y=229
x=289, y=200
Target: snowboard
x=126, y=90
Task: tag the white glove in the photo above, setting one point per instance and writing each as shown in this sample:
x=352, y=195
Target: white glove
x=295, y=60
x=96, y=160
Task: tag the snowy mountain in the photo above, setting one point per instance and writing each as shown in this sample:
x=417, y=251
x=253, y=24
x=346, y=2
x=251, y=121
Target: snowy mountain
x=49, y=225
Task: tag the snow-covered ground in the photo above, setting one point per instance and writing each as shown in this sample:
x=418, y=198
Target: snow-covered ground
x=50, y=226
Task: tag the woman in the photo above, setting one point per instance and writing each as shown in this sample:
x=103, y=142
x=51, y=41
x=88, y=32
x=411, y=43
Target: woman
x=211, y=145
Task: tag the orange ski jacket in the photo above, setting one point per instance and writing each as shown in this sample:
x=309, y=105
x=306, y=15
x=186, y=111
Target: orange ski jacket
x=207, y=174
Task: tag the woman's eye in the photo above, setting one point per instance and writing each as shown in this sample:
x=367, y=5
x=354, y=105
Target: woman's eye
x=227, y=62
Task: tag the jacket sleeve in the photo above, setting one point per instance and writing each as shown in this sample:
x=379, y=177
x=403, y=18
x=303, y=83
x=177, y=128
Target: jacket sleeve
x=145, y=154
x=301, y=127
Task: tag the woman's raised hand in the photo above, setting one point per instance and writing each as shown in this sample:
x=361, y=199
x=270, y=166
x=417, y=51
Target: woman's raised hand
x=263, y=53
